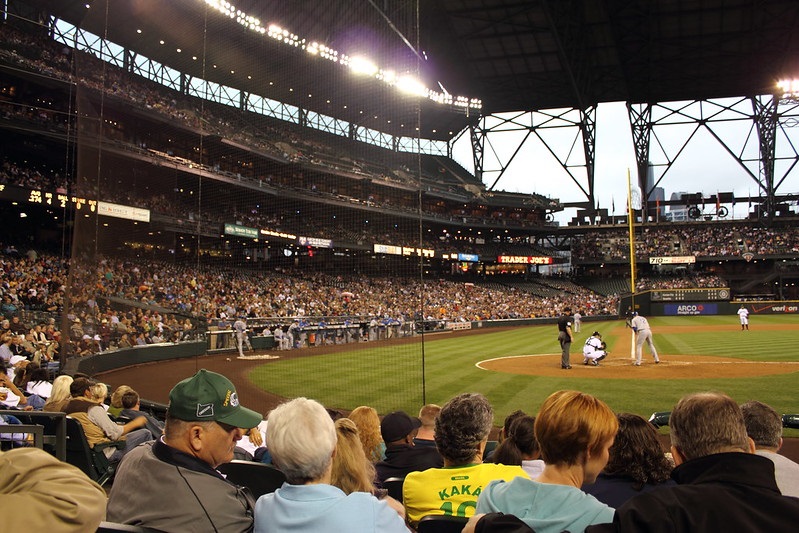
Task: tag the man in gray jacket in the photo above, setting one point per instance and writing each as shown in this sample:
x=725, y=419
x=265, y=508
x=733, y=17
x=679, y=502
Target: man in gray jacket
x=171, y=484
x=764, y=427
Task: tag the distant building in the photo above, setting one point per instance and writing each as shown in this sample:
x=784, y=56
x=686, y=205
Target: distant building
x=678, y=213
x=657, y=195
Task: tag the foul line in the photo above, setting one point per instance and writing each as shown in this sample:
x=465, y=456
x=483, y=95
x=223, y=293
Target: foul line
x=478, y=363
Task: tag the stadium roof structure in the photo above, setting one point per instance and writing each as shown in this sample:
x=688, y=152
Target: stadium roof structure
x=514, y=55
x=540, y=54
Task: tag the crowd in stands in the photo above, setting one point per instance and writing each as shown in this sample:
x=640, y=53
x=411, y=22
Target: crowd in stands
x=284, y=142
x=680, y=281
x=699, y=240
x=37, y=283
x=585, y=467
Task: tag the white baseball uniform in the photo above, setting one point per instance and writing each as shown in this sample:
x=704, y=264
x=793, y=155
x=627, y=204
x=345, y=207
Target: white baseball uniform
x=643, y=334
x=743, y=313
x=592, y=349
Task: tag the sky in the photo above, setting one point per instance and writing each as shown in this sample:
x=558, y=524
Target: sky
x=703, y=166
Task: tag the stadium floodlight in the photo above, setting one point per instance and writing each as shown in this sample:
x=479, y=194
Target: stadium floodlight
x=789, y=88
x=389, y=76
x=358, y=65
x=362, y=65
x=411, y=85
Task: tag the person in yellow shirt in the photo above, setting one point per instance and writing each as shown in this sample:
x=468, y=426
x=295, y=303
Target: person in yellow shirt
x=461, y=434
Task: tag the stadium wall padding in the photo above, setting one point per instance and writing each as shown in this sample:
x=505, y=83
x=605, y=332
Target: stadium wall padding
x=135, y=355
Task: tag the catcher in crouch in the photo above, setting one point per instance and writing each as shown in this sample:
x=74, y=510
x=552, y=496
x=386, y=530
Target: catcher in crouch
x=594, y=349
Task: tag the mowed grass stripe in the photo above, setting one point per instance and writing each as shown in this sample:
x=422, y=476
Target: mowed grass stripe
x=390, y=378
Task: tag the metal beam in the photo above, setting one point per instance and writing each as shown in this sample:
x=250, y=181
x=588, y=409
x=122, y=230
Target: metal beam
x=766, y=117
x=538, y=123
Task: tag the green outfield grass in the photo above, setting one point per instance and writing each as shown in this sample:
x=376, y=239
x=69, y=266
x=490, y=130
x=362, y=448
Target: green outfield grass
x=405, y=376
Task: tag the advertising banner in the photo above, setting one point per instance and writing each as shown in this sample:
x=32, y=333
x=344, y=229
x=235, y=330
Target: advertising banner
x=691, y=309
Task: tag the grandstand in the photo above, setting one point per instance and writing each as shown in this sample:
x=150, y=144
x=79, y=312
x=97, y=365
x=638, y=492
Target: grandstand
x=172, y=170
x=175, y=179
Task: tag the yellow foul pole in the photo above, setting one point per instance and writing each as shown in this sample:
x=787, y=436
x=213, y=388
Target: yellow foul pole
x=631, y=229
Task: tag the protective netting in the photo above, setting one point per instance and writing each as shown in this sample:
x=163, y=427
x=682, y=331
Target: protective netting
x=241, y=187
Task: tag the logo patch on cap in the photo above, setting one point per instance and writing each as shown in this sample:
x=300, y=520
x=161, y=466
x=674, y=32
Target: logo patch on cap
x=205, y=410
x=234, y=400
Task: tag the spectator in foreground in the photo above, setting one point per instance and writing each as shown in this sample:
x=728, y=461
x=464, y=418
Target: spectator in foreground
x=520, y=447
x=352, y=472
x=462, y=431
x=764, y=427
x=41, y=493
x=721, y=484
x=171, y=484
x=503, y=432
x=426, y=434
x=402, y=455
x=368, y=423
x=574, y=431
x=637, y=463
x=302, y=441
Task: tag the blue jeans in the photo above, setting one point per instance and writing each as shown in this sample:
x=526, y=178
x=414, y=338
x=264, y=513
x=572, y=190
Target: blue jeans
x=132, y=439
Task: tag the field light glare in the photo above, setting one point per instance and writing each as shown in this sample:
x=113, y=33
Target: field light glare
x=358, y=65
x=410, y=85
x=789, y=87
x=361, y=65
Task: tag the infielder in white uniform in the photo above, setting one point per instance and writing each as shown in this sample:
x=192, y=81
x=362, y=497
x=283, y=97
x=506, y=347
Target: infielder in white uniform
x=643, y=334
x=594, y=349
x=743, y=313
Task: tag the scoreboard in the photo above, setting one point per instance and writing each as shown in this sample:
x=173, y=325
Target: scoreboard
x=690, y=295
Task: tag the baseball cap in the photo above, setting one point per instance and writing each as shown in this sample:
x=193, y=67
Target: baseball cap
x=16, y=359
x=397, y=425
x=208, y=396
x=596, y=334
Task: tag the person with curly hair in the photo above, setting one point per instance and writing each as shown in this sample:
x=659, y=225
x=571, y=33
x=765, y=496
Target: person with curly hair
x=368, y=424
x=461, y=434
x=637, y=463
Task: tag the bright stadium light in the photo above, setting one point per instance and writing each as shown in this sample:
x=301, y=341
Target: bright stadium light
x=358, y=65
x=789, y=88
x=361, y=65
x=389, y=76
x=411, y=85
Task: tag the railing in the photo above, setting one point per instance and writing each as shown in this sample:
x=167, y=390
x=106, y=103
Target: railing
x=52, y=432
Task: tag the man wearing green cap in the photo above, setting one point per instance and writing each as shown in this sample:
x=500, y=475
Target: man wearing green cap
x=171, y=484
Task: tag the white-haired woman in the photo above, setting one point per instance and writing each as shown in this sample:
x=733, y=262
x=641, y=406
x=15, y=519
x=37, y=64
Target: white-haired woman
x=302, y=441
